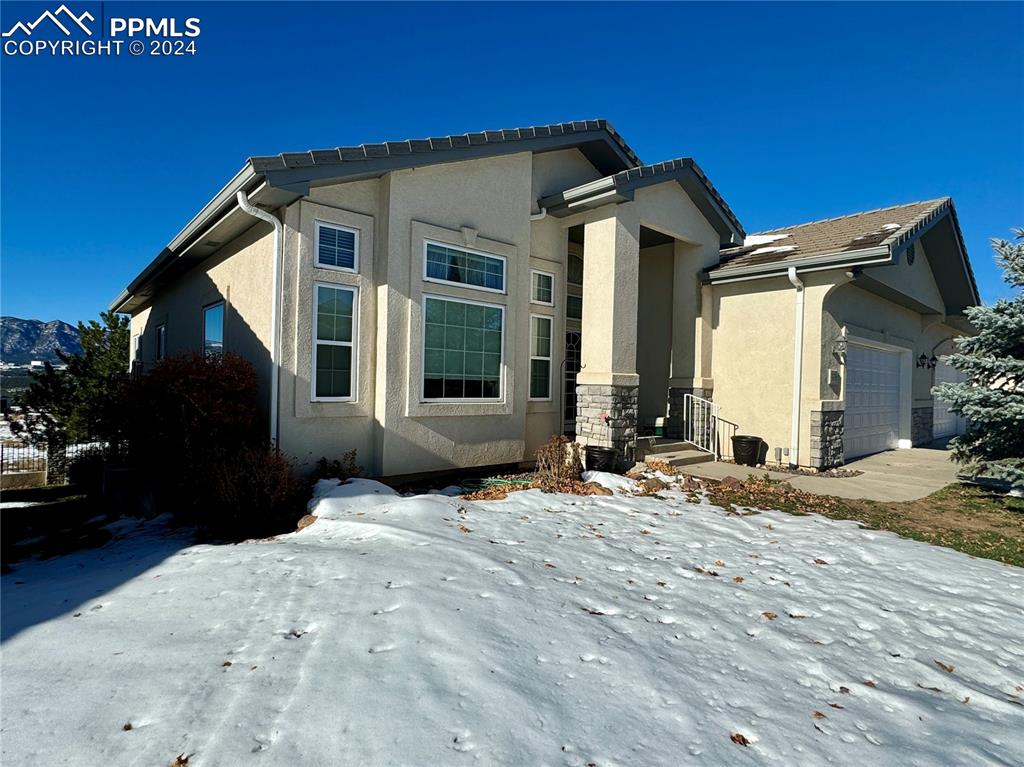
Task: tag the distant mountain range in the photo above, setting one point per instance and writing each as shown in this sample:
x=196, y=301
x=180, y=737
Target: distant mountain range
x=22, y=341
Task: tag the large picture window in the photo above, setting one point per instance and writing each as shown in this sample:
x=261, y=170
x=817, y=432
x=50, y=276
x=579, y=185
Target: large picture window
x=213, y=329
x=462, y=350
x=337, y=247
x=540, y=357
x=334, y=332
x=444, y=263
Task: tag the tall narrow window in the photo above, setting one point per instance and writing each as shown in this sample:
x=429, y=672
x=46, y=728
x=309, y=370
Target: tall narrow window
x=540, y=357
x=462, y=347
x=574, y=307
x=161, y=342
x=542, y=289
x=574, y=272
x=213, y=329
x=337, y=247
x=333, y=334
x=443, y=263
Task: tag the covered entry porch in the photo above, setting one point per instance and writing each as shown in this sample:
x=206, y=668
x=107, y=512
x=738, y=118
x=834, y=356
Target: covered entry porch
x=637, y=340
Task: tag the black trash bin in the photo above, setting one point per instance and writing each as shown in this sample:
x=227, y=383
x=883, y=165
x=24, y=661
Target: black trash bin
x=746, y=449
x=602, y=458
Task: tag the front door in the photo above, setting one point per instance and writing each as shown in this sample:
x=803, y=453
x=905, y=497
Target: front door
x=573, y=345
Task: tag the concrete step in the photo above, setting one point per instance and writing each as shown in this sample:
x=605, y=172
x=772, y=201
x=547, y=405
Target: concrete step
x=684, y=457
x=664, y=445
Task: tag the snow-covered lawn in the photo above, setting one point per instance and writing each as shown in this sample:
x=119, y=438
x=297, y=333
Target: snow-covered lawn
x=538, y=630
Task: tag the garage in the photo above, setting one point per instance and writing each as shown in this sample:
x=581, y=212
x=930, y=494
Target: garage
x=946, y=422
x=872, y=420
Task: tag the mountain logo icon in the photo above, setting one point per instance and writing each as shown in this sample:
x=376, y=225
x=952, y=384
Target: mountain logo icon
x=63, y=18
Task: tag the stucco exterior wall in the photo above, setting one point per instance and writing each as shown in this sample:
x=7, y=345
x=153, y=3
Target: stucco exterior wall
x=240, y=274
x=311, y=429
x=914, y=280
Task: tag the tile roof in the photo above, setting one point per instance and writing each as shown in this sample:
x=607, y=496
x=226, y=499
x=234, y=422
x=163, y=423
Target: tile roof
x=885, y=227
x=364, y=152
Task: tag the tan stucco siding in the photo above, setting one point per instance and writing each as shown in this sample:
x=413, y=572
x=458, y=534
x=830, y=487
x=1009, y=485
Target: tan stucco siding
x=312, y=429
x=915, y=280
x=485, y=205
x=240, y=274
x=874, y=318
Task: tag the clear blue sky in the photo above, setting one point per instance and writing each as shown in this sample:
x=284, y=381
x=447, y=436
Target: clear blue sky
x=796, y=112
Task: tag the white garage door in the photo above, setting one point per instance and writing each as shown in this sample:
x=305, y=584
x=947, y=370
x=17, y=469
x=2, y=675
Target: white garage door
x=872, y=420
x=947, y=423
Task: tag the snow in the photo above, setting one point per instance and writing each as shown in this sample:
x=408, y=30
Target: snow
x=538, y=630
x=775, y=249
x=614, y=482
x=890, y=227
x=763, y=239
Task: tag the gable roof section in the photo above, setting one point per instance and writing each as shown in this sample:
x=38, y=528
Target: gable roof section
x=599, y=142
x=619, y=187
x=874, y=237
x=277, y=180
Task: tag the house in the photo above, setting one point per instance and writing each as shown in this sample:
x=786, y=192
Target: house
x=455, y=301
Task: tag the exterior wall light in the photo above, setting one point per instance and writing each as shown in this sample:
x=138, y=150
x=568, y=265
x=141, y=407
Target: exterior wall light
x=927, y=362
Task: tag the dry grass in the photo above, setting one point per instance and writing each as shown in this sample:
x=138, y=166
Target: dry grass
x=967, y=518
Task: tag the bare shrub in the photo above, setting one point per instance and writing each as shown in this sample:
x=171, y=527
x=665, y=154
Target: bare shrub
x=344, y=469
x=559, y=464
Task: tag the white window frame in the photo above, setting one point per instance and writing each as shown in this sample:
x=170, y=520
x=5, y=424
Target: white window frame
x=466, y=285
x=223, y=325
x=423, y=352
x=317, y=226
x=533, y=297
x=549, y=359
x=161, y=341
x=136, y=345
x=354, y=344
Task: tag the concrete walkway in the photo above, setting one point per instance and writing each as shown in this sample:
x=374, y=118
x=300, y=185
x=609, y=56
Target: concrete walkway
x=896, y=475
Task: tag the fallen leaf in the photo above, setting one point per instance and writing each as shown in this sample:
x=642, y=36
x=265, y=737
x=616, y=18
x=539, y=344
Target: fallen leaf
x=659, y=583
x=738, y=579
x=818, y=715
x=844, y=690
x=966, y=700
x=181, y=760
x=739, y=739
x=127, y=726
x=836, y=705
x=226, y=663
x=797, y=616
x=719, y=563
x=945, y=667
x=870, y=683
x=548, y=564
x=465, y=529
x=820, y=562
x=593, y=612
x=932, y=689
x=769, y=616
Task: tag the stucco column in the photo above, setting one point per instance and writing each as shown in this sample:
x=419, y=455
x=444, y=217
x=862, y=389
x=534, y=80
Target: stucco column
x=608, y=384
x=691, y=333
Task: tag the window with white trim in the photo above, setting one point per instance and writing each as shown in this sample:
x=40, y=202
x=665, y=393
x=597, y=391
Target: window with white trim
x=462, y=349
x=334, y=333
x=444, y=263
x=540, y=357
x=161, y=342
x=337, y=247
x=213, y=329
x=542, y=287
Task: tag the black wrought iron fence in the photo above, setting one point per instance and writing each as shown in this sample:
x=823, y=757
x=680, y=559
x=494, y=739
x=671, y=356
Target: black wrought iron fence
x=57, y=461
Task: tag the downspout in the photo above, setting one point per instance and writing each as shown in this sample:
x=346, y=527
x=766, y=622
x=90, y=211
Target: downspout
x=798, y=358
x=275, y=308
x=539, y=216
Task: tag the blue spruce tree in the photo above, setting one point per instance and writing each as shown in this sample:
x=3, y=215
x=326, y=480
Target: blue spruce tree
x=991, y=398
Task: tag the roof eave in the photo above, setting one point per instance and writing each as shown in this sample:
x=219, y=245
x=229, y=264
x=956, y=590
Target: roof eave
x=843, y=259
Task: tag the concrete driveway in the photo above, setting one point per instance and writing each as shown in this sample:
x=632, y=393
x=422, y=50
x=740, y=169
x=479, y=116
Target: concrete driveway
x=896, y=475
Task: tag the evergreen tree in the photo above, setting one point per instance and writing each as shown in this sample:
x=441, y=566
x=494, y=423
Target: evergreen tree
x=81, y=401
x=991, y=398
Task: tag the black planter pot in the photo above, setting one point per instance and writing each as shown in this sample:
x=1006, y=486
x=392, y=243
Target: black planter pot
x=746, y=449
x=602, y=458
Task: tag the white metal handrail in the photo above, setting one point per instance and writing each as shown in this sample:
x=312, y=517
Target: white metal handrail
x=700, y=423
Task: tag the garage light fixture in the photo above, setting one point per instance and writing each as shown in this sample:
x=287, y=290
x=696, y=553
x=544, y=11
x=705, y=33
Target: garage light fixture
x=927, y=362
